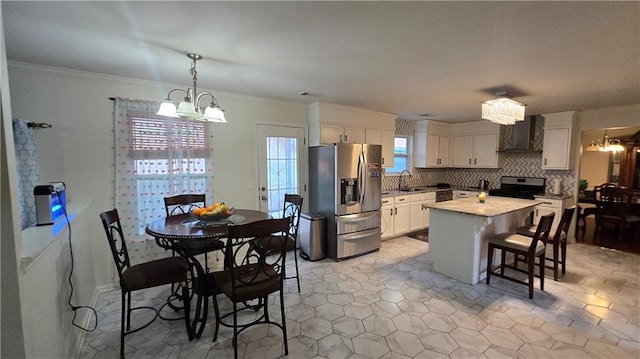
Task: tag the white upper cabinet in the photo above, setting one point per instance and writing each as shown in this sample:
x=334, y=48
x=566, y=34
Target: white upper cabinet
x=373, y=136
x=331, y=133
x=388, y=139
x=431, y=144
x=463, y=151
x=336, y=133
x=485, y=150
x=559, y=136
x=475, y=144
x=330, y=123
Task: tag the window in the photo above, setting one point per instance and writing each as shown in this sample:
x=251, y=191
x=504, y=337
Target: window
x=157, y=157
x=401, y=154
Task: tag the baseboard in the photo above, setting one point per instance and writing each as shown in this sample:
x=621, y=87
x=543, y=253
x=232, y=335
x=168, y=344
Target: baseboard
x=86, y=321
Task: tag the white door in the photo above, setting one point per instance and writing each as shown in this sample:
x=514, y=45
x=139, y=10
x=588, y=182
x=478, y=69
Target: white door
x=281, y=153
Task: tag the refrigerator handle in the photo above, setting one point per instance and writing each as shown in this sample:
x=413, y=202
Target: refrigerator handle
x=362, y=168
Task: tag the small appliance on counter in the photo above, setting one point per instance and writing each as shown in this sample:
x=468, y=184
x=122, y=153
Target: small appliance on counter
x=50, y=202
x=483, y=185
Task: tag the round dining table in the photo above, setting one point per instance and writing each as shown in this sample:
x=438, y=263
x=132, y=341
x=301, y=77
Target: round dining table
x=190, y=237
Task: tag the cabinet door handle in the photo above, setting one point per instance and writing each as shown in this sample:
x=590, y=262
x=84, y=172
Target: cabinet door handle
x=545, y=161
x=340, y=138
x=392, y=211
x=346, y=138
x=382, y=160
x=396, y=210
x=469, y=160
x=475, y=161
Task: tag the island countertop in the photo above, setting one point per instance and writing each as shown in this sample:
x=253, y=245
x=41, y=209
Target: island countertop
x=493, y=205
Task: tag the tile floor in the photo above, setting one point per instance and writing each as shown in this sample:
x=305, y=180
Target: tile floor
x=390, y=304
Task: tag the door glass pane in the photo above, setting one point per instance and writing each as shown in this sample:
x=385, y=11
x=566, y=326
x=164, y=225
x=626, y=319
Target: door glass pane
x=282, y=172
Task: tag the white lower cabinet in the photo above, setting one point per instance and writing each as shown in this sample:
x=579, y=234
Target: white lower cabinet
x=401, y=215
x=387, y=218
x=548, y=206
x=416, y=202
x=429, y=198
x=404, y=214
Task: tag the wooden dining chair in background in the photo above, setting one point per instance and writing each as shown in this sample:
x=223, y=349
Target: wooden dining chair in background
x=254, y=268
x=517, y=244
x=613, y=211
x=165, y=271
x=183, y=204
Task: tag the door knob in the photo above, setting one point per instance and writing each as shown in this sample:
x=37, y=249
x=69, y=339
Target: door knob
x=264, y=198
x=263, y=189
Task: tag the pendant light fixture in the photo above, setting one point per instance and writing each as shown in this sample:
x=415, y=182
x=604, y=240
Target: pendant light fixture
x=503, y=110
x=605, y=145
x=190, y=107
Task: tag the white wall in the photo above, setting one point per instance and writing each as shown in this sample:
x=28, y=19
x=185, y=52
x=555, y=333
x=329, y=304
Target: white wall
x=78, y=150
x=11, y=334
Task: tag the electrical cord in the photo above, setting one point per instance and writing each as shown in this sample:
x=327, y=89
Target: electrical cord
x=75, y=308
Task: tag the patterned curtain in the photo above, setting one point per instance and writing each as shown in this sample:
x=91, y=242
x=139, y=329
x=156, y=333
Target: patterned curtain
x=156, y=157
x=27, y=165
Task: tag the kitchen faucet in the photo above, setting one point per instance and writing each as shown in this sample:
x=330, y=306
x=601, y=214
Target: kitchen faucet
x=400, y=186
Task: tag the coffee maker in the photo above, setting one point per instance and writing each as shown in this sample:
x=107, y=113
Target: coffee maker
x=483, y=185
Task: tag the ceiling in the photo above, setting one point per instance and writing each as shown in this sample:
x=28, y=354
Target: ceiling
x=408, y=58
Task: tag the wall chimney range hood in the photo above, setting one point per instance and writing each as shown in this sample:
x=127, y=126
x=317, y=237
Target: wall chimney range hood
x=521, y=137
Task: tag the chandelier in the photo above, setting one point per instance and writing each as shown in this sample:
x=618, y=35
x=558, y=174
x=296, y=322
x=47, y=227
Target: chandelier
x=605, y=145
x=190, y=107
x=504, y=110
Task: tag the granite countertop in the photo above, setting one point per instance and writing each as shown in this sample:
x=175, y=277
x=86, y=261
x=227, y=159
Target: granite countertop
x=493, y=206
x=553, y=196
x=395, y=192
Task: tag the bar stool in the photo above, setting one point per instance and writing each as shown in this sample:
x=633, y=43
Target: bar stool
x=559, y=240
x=529, y=247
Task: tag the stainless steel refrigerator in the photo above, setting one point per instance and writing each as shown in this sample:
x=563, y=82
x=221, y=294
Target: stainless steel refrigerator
x=345, y=186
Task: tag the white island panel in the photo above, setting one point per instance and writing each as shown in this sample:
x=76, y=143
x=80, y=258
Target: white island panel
x=459, y=230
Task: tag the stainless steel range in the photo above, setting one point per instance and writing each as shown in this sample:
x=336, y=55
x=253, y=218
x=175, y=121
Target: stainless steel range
x=519, y=187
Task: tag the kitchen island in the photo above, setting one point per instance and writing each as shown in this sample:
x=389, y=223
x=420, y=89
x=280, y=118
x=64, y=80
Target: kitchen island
x=459, y=230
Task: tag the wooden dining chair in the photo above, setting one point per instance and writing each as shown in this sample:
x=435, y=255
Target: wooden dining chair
x=559, y=240
x=292, y=209
x=613, y=210
x=254, y=268
x=165, y=271
x=517, y=244
x=183, y=204
x=202, y=281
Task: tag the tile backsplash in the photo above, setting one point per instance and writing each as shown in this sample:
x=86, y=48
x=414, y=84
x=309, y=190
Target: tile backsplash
x=523, y=164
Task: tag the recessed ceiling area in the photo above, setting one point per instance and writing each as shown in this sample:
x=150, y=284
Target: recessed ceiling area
x=408, y=58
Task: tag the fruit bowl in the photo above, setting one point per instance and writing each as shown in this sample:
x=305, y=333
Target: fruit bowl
x=216, y=212
x=217, y=216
